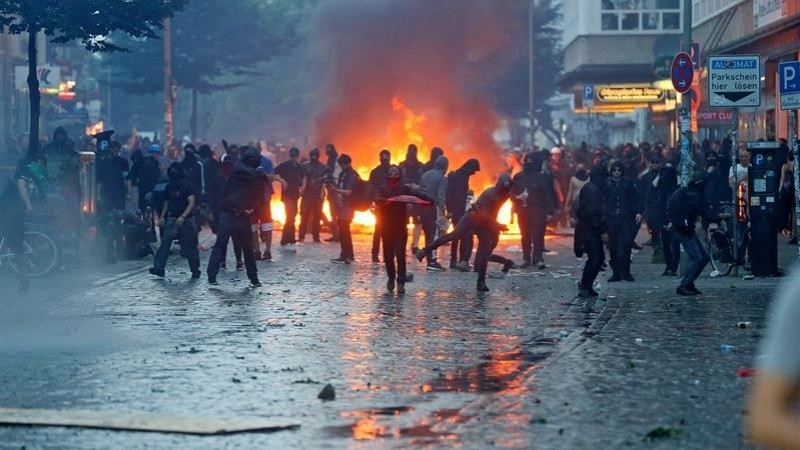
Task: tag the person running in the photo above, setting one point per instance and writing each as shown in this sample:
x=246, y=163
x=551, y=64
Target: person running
x=393, y=213
x=482, y=222
x=177, y=218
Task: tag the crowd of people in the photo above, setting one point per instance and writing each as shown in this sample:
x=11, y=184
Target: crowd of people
x=606, y=194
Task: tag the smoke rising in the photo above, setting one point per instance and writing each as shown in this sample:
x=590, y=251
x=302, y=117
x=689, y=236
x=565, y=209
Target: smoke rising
x=401, y=71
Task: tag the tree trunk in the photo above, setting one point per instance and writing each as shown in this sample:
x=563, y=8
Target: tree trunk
x=34, y=95
x=193, y=119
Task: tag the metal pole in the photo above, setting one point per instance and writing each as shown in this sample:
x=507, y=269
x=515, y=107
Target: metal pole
x=168, y=95
x=108, y=98
x=793, y=134
x=735, y=159
x=531, y=75
x=686, y=105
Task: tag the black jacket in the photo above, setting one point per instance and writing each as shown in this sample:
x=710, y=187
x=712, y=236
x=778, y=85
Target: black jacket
x=377, y=179
x=620, y=200
x=590, y=211
x=491, y=200
x=541, y=199
x=412, y=170
x=193, y=172
x=684, y=208
x=458, y=186
x=244, y=191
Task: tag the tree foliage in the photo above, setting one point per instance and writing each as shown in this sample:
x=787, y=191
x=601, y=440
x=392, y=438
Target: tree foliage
x=548, y=64
x=87, y=21
x=213, y=42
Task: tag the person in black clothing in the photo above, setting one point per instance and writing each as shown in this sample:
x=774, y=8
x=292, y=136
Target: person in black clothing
x=312, y=196
x=214, y=182
x=177, y=218
x=293, y=174
x=456, y=204
x=243, y=193
x=145, y=175
x=193, y=170
x=621, y=210
x=590, y=230
x=651, y=202
x=717, y=193
x=683, y=209
x=377, y=179
x=412, y=174
x=436, y=152
x=535, y=202
x=665, y=183
x=111, y=173
x=481, y=221
x=393, y=214
x=343, y=189
x=331, y=177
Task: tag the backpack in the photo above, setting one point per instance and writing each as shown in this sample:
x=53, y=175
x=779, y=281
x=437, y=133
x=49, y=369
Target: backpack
x=361, y=196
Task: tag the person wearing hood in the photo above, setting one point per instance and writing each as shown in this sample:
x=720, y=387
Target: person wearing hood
x=244, y=192
x=193, y=170
x=145, y=174
x=377, y=179
x=685, y=206
x=111, y=172
x=412, y=170
x=434, y=184
x=622, y=210
x=590, y=230
x=456, y=203
x=312, y=196
x=535, y=202
x=392, y=212
x=177, y=218
x=481, y=221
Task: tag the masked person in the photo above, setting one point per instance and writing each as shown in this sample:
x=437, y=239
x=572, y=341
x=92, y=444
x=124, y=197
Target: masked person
x=177, y=216
x=214, y=182
x=377, y=179
x=342, y=191
x=685, y=206
x=193, y=170
x=332, y=172
x=481, y=221
x=145, y=175
x=412, y=169
x=535, y=202
x=292, y=173
x=244, y=192
x=621, y=209
x=434, y=185
x=590, y=229
x=456, y=201
x=111, y=173
x=393, y=214
x=312, y=197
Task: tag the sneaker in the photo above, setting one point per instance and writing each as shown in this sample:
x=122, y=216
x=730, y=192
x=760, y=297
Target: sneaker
x=614, y=278
x=414, y=250
x=157, y=272
x=254, y=282
x=213, y=281
x=462, y=266
x=694, y=289
x=628, y=277
x=508, y=266
x=257, y=255
x=594, y=293
x=482, y=286
x=585, y=293
x=666, y=273
x=401, y=288
x=453, y=265
x=390, y=285
x=239, y=265
x=223, y=267
x=541, y=266
x=195, y=275
x=686, y=291
x=435, y=266
x=339, y=261
x=351, y=260
x=420, y=255
x=267, y=256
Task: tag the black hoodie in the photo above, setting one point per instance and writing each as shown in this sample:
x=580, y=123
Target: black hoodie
x=491, y=200
x=457, y=187
x=541, y=193
x=244, y=191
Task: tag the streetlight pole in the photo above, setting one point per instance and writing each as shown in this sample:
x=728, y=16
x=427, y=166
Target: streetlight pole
x=684, y=119
x=168, y=88
x=531, y=75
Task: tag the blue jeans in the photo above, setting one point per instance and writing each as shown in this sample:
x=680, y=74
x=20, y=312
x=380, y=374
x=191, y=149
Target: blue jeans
x=698, y=256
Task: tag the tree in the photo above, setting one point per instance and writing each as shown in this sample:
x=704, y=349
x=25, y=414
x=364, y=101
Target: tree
x=215, y=43
x=548, y=63
x=88, y=21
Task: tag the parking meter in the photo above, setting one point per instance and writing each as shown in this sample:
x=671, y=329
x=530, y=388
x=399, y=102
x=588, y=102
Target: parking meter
x=762, y=182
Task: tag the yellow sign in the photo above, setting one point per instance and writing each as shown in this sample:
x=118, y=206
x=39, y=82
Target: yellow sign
x=630, y=94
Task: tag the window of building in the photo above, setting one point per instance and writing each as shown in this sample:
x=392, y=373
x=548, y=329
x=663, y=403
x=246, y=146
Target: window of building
x=640, y=15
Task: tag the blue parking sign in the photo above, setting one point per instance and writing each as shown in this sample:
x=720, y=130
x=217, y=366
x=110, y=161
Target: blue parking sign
x=588, y=95
x=789, y=84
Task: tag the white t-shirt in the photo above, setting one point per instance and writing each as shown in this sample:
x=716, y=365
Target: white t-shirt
x=741, y=172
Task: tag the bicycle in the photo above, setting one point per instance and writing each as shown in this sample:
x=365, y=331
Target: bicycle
x=720, y=247
x=40, y=252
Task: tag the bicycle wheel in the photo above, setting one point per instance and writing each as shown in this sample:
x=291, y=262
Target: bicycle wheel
x=720, y=253
x=41, y=254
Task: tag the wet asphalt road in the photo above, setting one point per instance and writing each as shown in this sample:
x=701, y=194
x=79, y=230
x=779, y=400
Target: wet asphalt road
x=522, y=366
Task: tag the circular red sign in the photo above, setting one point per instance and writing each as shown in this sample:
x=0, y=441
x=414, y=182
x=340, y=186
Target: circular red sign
x=682, y=72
